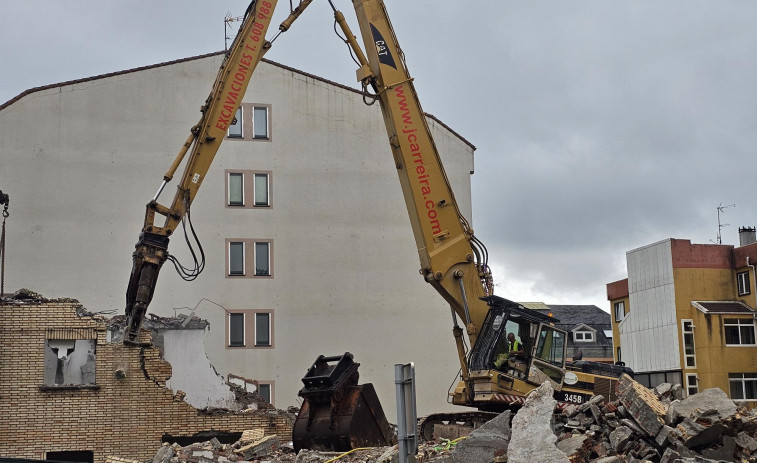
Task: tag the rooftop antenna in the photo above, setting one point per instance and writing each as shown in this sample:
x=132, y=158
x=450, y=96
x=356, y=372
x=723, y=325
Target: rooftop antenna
x=227, y=20
x=721, y=209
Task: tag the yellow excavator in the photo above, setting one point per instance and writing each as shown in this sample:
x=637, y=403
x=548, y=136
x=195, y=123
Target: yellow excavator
x=452, y=259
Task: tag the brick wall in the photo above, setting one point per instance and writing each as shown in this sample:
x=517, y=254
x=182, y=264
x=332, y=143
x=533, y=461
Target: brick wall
x=123, y=417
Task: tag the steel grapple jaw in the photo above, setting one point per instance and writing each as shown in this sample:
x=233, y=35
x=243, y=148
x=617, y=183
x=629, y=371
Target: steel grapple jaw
x=337, y=414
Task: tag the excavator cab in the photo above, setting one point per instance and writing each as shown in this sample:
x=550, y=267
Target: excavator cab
x=337, y=414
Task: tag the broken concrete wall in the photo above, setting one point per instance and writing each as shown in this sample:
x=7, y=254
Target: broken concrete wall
x=126, y=412
x=193, y=372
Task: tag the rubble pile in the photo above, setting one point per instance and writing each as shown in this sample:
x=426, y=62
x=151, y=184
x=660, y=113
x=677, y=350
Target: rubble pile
x=658, y=426
x=643, y=425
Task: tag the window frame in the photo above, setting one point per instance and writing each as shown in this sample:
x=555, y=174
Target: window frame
x=244, y=331
x=249, y=181
x=255, y=176
x=239, y=116
x=584, y=337
x=743, y=285
x=271, y=389
x=229, y=271
x=268, y=271
x=247, y=121
x=249, y=257
x=229, y=201
x=249, y=328
x=742, y=380
x=619, y=305
x=687, y=356
x=268, y=323
x=692, y=385
x=739, y=325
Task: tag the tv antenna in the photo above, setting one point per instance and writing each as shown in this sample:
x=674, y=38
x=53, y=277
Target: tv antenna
x=721, y=209
x=227, y=20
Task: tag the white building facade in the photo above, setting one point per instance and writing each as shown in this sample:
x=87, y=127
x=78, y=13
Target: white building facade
x=308, y=246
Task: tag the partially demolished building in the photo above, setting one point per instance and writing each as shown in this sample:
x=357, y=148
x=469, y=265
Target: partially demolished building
x=70, y=390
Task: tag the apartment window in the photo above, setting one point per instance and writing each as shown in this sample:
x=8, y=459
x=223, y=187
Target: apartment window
x=249, y=258
x=692, y=386
x=583, y=336
x=262, y=258
x=261, y=190
x=250, y=328
x=253, y=122
x=244, y=184
x=260, y=122
x=264, y=390
x=235, y=129
x=743, y=386
x=620, y=311
x=618, y=357
x=739, y=331
x=262, y=329
x=236, y=329
x=236, y=258
x=687, y=331
x=742, y=279
x=235, y=189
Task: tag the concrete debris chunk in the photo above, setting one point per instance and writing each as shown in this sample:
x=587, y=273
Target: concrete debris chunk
x=746, y=442
x=483, y=443
x=642, y=404
x=164, y=455
x=724, y=452
x=709, y=399
x=532, y=438
x=577, y=448
x=619, y=438
x=260, y=448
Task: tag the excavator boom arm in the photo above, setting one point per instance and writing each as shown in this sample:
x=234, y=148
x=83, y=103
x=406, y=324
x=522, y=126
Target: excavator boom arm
x=218, y=112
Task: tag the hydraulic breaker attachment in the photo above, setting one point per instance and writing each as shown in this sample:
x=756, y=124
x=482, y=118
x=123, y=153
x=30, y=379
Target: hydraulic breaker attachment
x=337, y=414
x=149, y=255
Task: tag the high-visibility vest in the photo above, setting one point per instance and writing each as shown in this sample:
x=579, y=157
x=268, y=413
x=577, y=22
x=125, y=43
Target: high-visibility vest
x=515, y=346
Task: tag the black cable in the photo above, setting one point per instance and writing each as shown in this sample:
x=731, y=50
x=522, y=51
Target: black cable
x=189, y=274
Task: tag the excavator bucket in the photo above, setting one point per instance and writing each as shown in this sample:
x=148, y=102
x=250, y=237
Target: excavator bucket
x=337, y=414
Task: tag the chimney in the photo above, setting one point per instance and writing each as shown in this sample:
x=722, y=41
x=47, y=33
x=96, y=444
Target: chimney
x=747, y=235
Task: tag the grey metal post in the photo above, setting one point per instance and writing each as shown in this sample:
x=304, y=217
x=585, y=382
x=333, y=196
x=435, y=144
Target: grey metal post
x=407, y=416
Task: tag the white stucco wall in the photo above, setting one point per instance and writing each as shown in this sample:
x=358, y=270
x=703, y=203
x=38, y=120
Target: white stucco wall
x=192, y=372
x=80, y=162
x=648, y=330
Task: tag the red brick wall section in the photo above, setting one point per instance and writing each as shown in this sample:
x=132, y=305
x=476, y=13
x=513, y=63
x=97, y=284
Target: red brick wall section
x=617, y=289
x=124, y=418
x=687, y=255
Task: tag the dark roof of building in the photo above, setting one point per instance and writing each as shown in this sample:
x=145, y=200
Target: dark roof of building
x=207, y=55
x=724, y=307
x=571, y=315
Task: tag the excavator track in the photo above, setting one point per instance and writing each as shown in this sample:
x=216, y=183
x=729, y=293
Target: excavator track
x=468, y=420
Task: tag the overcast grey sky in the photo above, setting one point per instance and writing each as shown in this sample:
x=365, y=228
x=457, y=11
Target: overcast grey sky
x=600, y=126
